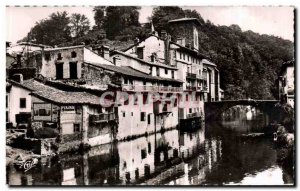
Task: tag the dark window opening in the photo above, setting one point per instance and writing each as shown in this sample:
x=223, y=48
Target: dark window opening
x=143, y=116
x=47, y=56
x=149, y=119
x=143, y=153
x=124, y=114
x=172, y=74
x=73, y=70
x=76, y=127
x=166, y=71
x=73, y=54
x=157, y=72
x=22, y=102
x=140, y=52
x=59, y=56
x=59, y=71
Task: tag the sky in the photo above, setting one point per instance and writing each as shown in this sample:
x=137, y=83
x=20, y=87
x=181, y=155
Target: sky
x=277, y=21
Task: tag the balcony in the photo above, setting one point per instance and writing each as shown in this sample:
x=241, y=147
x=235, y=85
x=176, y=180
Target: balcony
x=151, y=88
x=102, y=118
x=192, y=115
x=191, y=75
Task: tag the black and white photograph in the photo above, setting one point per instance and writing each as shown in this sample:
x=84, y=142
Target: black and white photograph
x=150, y=96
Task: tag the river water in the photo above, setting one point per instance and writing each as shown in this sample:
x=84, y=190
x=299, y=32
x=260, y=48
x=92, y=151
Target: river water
x=215, y=154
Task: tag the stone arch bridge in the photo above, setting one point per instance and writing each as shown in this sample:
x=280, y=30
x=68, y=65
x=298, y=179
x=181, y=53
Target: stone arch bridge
x=213, y=110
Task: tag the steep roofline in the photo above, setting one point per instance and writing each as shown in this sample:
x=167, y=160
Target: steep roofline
x=144, y=61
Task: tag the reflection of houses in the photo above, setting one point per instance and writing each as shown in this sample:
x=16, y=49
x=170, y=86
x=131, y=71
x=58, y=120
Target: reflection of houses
x=287, y=83
x=145, y=159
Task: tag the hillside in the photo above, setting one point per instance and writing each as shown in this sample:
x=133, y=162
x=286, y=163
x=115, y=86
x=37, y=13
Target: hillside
x=248, y=62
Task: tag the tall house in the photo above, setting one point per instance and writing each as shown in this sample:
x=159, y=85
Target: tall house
x=287, y=83
x=185, y=32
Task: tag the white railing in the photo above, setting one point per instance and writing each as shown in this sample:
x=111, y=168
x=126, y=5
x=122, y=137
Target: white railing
x=139, y=88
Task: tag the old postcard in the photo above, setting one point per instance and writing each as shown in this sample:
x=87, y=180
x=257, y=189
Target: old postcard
x=150, y=96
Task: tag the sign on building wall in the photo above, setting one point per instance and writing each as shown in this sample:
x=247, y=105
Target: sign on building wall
x=42, y=112
x=68, y=109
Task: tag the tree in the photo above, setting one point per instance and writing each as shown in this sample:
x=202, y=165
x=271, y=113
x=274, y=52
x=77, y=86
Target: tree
x=51, y=31
x=161, y=15
x=118, y=18
x=79, y=24
x=99, y=16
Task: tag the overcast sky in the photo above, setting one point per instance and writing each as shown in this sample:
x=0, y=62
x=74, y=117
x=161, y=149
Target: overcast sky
x=278, y=21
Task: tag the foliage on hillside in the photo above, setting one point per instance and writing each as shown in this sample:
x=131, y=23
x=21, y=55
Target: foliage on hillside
x=248, y=62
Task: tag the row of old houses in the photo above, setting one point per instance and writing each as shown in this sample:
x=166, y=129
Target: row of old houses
x=77, y=93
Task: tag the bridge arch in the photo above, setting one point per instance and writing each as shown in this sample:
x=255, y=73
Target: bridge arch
x=213, y=110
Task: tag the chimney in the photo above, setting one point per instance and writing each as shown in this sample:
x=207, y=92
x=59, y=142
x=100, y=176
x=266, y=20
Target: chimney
x=18, y=78
x=19, y=57
x=105, y=52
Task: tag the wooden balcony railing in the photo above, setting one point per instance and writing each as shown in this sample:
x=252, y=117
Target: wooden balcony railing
x=151, y=88
x=191, y=75
x=102, y=117
x=192, y=115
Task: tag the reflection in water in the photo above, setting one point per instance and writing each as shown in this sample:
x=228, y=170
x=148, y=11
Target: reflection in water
x=212, y=155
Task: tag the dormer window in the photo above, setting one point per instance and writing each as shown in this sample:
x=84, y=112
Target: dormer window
x=73, y=54
x=59, y=56
x=47, y=56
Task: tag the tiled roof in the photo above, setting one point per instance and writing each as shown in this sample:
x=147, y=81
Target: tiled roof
x=57, y=96
x=63, y=48
x=144, y=61
x=128, y=71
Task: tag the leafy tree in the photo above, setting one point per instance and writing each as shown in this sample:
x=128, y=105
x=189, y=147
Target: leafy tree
x=79, y=25
x=161, y=15
x=51, y=31
x=99, y=16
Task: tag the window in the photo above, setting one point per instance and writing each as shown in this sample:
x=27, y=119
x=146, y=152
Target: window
x=59, y=70
x=125, y=81
x=22, y=102
x=140, y=52
x=73, y=70
x=157, y=72
x=59, y=56
x=76, y=127
x=6, y=101
x=150, y=70
x=73, y=54
x=47, y=56
x=188, y=57
x=143, y=153
x=124, y=114
x=183, y=56
x=131, y=113
x=190, y=110
x=149, y=119
x=6, y=116
x=166, y=71
x=187, y=97
x=143, y=116
x=172, y=74
x=145, y=96
x=180, y=55
x=152, y=58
